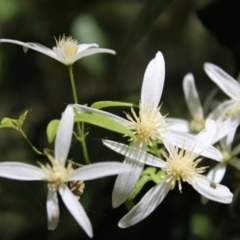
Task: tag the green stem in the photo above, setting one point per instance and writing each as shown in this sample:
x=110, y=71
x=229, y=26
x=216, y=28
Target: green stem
x=29, y=142
x=79, y=128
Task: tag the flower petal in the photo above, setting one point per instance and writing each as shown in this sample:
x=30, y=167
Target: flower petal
x=134, y=153
x=217, y=173
x=192, y=98
x=213, y=191
x=64, y=135
x=208, y=134
x=224, y=81
x=84, y=46
x=61, y=57
x=181, y=139
x=98, y=170
x=76, y=209
x=20, y=171
x=34, y=46
x=52, y=209
x=178, y=124
x=147, y=205
x=153, y=81
x=82, y=108
x=219, y=113
x=88, y=52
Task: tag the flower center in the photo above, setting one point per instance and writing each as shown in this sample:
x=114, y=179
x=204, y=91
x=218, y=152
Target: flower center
x=234, y=110
x=182, y=166
x=68, y=45
x=227, y=158
x=148, y=125
x=55, y=173
x=197, y=125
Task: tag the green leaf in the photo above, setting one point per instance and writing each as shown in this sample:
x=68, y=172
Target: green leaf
x=23, y=115
x=52, y=129
x=140, y=184
x=104, y=104
x=6, y=122
x=104, y=122
x=158, y=177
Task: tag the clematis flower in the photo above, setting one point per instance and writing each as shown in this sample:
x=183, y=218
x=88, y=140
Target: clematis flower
x=66, y=51
x=148, y=126
x=197, y=123
x=217, y=173
x=57, y=174
x=180, y=165
x=230, y=87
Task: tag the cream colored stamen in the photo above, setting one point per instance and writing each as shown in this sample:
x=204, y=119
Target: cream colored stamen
x=68, y=45
x=148, y=125
x=55, y=173
x=182, y=166
x=197, y=125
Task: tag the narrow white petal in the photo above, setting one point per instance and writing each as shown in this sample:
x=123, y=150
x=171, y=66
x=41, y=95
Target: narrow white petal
x=34, y=46
x=213, y=191
x=220, y=111
x=191, y=97
x=217, y=173
x=83, y=47
x=236, y=164
x=188, y=141
x=208, y=134
x=82, y=108
x=76, y=209
x=224, y=128
x=228, y=85
x=89, y=52
x=52, y=209
x=98, y=170
x=64, y=135
x=20, y=171
x=236, y=150
x=147, y=205
x=134, y=153
x=61, y=57
x=153, y=81
x=229, y=139
x=178, y=124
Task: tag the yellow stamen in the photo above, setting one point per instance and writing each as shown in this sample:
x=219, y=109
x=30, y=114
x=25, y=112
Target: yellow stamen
x=68, y=45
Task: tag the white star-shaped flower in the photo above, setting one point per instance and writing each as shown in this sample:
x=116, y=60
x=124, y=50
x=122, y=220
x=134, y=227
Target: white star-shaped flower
x=230, y=87
x=66, y=51
x=197, y=123
x=179, y=165
x=148, y=126
x=57, y=174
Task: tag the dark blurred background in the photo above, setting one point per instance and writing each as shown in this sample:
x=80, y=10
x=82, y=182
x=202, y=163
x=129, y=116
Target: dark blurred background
x=188, y=33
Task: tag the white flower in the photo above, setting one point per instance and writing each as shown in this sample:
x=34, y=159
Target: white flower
x=230, y=87
x=180, y=165
x=217, y=173
x=67, y=50
x=57, y=174
x=148, y=126
x=197, y=113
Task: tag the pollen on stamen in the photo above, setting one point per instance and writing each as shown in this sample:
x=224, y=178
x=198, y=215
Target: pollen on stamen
x=68, y=45
x=55, y=173
x=182, y=166
x=234, y=110
x=148, y=125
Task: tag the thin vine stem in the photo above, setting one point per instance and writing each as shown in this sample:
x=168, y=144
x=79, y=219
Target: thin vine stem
x=79, y=128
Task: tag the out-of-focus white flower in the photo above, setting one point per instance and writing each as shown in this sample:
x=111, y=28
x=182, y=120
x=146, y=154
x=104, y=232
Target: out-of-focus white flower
x=230, y=87
x=197, y=123
x=57, y=174
x=66, y=51
x=179, y=165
